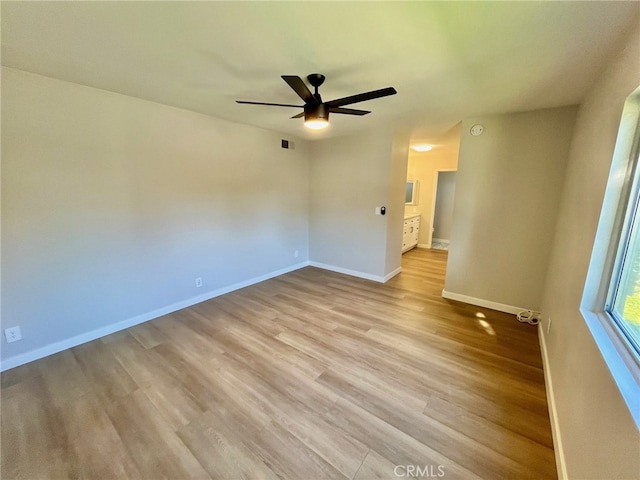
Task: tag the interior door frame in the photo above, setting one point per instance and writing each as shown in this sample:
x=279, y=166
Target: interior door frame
x=433, y=202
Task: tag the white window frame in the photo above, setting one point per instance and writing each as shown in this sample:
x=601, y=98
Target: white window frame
x=619, y=356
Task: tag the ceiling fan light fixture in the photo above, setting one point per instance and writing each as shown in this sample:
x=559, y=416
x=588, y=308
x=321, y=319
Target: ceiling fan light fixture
x=317, y=124
x=316, y=118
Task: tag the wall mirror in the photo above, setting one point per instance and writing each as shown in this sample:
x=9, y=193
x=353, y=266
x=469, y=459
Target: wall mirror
x=411, y=194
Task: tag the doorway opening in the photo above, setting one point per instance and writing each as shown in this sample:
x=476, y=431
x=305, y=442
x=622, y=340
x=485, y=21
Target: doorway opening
x=444, y=188
x=428, y=213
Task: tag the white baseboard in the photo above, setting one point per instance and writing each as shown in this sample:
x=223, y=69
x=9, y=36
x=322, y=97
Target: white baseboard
x=354, y=273
x=423, y=245
x=389, y=276
x=74, y=341
x=440, y=240
x=561, y=465
x=501, y=307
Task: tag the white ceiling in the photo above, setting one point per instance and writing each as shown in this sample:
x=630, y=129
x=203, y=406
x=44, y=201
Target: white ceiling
x=448, y=60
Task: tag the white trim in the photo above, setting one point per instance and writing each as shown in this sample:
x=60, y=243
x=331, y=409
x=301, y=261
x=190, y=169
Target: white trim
x=423, y=245
x=353, y=273
x=76, y=340
x=501, y=307
x=441, y=240
x=618, y=358
x=616, y=352
x=561, y=465
x=389, y=276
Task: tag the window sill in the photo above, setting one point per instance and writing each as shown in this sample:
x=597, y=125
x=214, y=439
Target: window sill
x=621, y=364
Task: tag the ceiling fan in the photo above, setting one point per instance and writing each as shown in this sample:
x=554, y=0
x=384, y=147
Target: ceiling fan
x=316, y=112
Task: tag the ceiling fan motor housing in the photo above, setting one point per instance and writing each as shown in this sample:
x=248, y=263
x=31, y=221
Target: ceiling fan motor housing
x=316, y=112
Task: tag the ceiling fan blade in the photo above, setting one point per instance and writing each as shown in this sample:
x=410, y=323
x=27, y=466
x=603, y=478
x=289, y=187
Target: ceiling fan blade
x=270, y=104
x=361, y=97
x=300, y=115
x=348, y=111
x=300, y=88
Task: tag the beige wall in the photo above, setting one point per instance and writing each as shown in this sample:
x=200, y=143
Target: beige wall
x=508, y=189
x=599, y=437
x=112, y=206
x=422, y=166
x=350, y=177
x=397, y=185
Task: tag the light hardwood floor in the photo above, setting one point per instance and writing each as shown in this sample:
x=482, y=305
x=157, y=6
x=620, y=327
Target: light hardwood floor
x=310, y=375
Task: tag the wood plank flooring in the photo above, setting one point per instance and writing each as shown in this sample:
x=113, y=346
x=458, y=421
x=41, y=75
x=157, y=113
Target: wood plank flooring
x=311, y=375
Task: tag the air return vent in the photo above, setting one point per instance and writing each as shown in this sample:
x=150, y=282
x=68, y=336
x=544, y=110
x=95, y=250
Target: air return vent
x=287, y=144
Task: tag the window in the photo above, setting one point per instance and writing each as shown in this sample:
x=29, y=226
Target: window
x=623, y=303
x=611, y=300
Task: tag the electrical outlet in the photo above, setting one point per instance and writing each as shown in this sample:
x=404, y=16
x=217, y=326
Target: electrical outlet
x=198, y=282
x=13, y=334
x=548, y=325
x=296, y=253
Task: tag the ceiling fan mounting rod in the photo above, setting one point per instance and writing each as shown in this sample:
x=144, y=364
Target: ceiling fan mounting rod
x=316, y=79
